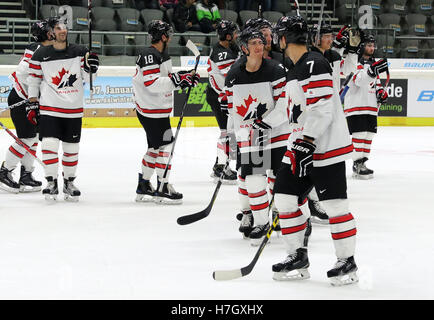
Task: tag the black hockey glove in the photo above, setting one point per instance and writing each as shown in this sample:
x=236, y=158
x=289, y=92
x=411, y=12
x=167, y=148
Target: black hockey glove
x=260, y=125
x=382, y=95
x=32, y=112
x=223, y=99
x=378, y=67
x=181, y=79
x=341, y=38
x=302, y=157
x=91, y=63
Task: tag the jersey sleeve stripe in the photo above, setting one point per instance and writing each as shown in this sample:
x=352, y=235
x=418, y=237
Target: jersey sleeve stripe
x=224, y=66
x=333, y=153
x=315, y=100
x=150, y=82
x=61, y=110
x=151, y=71
x=35, y=75
x=318, y=84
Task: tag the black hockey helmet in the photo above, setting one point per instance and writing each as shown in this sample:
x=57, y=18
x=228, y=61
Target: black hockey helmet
x=257, y=23
x=293, y=28
x=39, y=30
x=157, y=29
x=365, y=39
x=225, y=27
x=248, y=34
x=324, y=29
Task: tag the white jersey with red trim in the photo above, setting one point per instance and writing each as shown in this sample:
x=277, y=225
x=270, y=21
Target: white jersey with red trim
x=316, y=111
x=20, y=76
x=361, y=97
x=57, y=77
x=152, y=87
x=257, y=95
x=340, y=65
x=220, y=61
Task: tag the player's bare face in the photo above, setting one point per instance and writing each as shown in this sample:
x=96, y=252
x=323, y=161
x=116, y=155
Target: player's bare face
x=268, y=37
x=61, y=32
x=256, y=48
x=369, y=49
x=326, y=41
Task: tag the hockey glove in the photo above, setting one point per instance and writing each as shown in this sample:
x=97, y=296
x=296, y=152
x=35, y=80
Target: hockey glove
x=382, y=95
x=260, y=125
x=181, y=79
x=354, y=41
x=378, y=67
x=223, y=99
x=91, y=63
x=302, y=157
x=341, y=38
x=32, y=112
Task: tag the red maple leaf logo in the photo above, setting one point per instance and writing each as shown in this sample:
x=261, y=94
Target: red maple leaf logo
x=56, y=80
x=242, y=110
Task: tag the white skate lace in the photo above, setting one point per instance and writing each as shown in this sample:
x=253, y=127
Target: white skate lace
x=340, y=263
x=290, y=258
x=170, y=189
x=246, y=220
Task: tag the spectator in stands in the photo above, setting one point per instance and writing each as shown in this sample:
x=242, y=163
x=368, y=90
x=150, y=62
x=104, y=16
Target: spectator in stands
x=268, y=5
x=168, y=4
x=208, y=15
x=185, y=17
x=243, y=5
x=147, y=4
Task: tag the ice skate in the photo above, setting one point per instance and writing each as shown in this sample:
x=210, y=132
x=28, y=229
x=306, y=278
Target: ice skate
x=317, y=214
x=28, y=183
x=246, y=225
x=229, y=176
x=294, y=267
x=168, y=195
x=145, y=192
x=258, y=233
x=344, y=272
x=361, y=172
x=7, y=182
x=307, y=232
x=51, y=190
x=71, y=192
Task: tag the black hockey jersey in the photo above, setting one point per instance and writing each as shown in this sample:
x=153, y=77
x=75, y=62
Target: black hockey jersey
x=220, y=61
x=20, y=76
x=57, y=76
x=152, y=87
x=253, y=95
x=316, y=110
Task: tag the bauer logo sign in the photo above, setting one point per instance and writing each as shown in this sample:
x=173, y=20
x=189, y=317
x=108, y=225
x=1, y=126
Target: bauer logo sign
x=196, y=104
x=396, y=104
x=421, y=98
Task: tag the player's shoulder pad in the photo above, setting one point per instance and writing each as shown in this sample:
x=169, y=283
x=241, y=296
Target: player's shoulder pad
x=33, y=46
x=157, y=57
x=332, y=55
x=42, y=52
x=276, y=69
x=232, y=75
x=315, y=63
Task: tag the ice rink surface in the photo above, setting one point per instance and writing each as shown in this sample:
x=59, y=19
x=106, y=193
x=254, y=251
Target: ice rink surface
x=109, y=247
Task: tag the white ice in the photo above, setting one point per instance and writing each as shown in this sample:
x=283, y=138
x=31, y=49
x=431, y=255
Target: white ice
x=109, y=247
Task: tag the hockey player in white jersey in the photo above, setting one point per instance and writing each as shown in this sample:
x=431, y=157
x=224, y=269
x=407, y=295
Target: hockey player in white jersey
x=56, y=92
x=317, y=149
x=258, y=115
x=222, y=56
x=153, y=85
x=26, y=131
x=362, y=101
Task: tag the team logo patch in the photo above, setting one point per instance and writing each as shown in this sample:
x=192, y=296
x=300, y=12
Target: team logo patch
x=64, y=79
x=256, y=110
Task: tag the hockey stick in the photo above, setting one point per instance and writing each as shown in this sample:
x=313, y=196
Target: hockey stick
x=187, y=219
x=297, y=7
x=319, y=24
x=345, y=87
x=22, y=144
x=14, y=105
x=190, y=45
x=89, y=24
x=222, y=275
x=260, y=10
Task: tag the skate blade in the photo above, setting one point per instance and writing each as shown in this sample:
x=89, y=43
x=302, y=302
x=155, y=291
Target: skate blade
x=26, y=189
x=9, y=189
x=70, y=198
x=164, y=201
x=363, y=177
x=225, y=182
x=343, y=280
x=51, y=198
x=256, y=242
x=298, y=274
x=144, y=198
x=316, y=220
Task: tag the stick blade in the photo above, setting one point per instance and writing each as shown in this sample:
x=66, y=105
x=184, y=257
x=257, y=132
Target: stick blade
x=190, y=45
x=224, y=275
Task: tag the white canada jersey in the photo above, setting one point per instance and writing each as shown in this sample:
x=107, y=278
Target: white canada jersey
x=152, y=87
x=20, y=76
x=220, y=61
x=361, y=97
x=58, y=77
x=257, y=95
x=316, y=111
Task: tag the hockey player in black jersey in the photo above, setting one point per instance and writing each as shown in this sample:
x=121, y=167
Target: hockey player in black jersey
x=362, y=101
x=26, y=131
x=56, y=95
x=317, y=149
x=258, y=116
x=221, y=58
x=153, y=86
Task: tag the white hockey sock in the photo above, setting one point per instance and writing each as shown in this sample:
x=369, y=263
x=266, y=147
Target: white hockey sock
x=313, y=195
x=16, y=153
x=368, y=143
x=222, y=148
x=360, y=142
x=292, y=221
x=28, y=160
x=342, y=226
x=148, y=163
x=161, y=163
x=50, y=147
x=243, y=195
x=70, y=159
x=258, y=198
